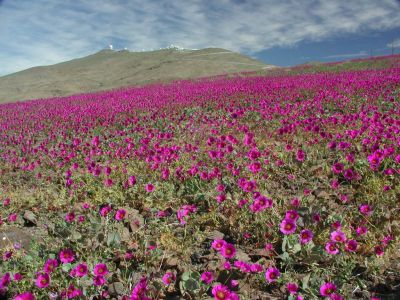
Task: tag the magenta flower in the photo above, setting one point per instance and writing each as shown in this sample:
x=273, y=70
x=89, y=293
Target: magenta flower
x=379, y=250
x=17, y=277
x=361, y=230
x=227, y=265
x=292, y=215
x=295, y=202
x=207, y=277
x=316, y=218
x=269, y=247
x=287, y=226
x=7, y=255
x=300, y=155
x=70, y=217
x=337, y=225
x=305, y=236
x=149, y=187
x=105, y=210
x=72, y=292
x=338, y=236
x=260, y=204
x=242, y=203
x=243, y=266
x=25, y=296
x=221, y=198
x=365, y=209
x=96, y=141
x=221, y=292
x=218, y=244
x=132, y=180
x=256, y=268
x=6, y=202
x=327, y=289
x=120, y=214
x=43, y=280
x=5, y=280
x=184, y=212
x=107, y=170
x=12, y=217
x=168, y=278
x=337, y=168
x=67, y=256
x=334, y=184
x=100, y=269
x=349, y=174
x=50, y=265
x=272, y=274
x=292, y=288
x=140, y=289
x=234, y=283
x=99, y=280
x=331, y=248
x=228, y=250
x=108, y=182
x=351, y=245
x=81, y=270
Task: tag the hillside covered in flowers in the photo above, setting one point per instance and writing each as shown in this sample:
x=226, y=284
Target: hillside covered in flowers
x=281, y=186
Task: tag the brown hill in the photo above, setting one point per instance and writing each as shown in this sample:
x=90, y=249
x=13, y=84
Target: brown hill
x=109, y=69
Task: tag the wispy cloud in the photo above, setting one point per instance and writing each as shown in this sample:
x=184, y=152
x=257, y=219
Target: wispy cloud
x=348, y=55
x=395, y=43
x=48, y=31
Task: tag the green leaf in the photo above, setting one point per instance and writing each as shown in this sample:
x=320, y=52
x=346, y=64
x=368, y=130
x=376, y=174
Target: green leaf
x=66, y=267
x=28, y=257
x=186, y=276
x=113, y=238
x=284, y=243
x=284, y=256
x=296, y=248
x=195, y=276
x=305, y=281
x=191, y=285
x=75, y=236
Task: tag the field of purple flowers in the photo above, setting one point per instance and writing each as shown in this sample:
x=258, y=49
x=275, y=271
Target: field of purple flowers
x=261, y=187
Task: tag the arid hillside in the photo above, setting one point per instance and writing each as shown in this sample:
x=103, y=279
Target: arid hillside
x=109, y=69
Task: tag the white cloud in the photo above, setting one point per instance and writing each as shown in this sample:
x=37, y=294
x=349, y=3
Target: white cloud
x=48, y=31
x=395, y=43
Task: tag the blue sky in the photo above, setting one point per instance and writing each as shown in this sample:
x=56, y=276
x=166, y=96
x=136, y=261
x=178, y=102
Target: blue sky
x=43, y=32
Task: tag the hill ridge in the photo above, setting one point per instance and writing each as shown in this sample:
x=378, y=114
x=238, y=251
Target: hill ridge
x=110, y=69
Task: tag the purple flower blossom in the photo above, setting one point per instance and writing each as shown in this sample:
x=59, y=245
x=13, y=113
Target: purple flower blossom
x=272, y=274
x=67, y=256
x=207, y=277
x=43, y=280
x=24, y=296
x=100, y=269
x=338, y=237
x=168, y=278
x=228, y=250
x=331, y=248
x=327, y=289
x=120, y=214
x=305, y=236
x=287, y=226
x=292, y=288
